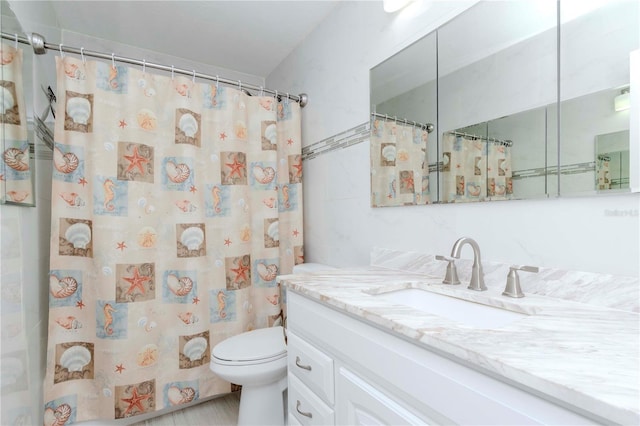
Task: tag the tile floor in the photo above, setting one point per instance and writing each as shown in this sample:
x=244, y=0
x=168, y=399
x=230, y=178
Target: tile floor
x=222, y=411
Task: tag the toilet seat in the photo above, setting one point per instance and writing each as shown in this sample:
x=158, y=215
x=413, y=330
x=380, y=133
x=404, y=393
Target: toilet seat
x=254, y=347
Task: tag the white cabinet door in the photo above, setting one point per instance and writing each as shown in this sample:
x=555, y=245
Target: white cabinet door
x=360, y=403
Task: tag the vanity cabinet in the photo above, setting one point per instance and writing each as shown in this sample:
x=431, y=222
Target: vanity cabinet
x=343, y=370
x=311, y=383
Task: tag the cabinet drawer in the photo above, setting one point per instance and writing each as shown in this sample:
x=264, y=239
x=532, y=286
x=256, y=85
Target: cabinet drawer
x=311, y=366
x=306, y=407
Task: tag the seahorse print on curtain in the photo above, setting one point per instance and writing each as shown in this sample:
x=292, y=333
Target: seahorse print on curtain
x=174, y=206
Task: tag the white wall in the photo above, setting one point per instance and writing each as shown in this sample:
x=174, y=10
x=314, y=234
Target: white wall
x=591, y=234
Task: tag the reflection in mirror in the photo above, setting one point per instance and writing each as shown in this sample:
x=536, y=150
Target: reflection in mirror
x=595, y=80
x=612, y=160
x=506, y=168
x=497, y=72
x=583, y=119
x=403, y=98
x=399, y=163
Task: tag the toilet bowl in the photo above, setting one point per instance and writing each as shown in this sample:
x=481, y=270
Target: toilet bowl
x=257, y=360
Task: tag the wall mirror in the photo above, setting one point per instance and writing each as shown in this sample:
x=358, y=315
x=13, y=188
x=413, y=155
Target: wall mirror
x=500, y=91
x=403, y=145
x=596, y=41
x=496, y=73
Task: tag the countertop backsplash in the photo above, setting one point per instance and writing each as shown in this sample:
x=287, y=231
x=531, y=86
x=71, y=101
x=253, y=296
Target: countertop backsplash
x=603, y=290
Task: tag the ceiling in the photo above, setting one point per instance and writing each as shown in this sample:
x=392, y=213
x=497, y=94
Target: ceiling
x=252, y=37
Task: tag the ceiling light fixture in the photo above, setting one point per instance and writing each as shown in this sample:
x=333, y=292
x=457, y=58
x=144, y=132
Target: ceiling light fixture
x=391, y=6
x=623, y=100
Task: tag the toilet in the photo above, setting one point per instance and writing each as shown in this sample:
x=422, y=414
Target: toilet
x=257, y=360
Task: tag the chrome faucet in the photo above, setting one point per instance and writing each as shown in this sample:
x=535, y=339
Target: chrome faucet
x=477, y=276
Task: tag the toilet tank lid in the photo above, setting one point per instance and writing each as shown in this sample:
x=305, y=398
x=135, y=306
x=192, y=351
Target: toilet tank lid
x=252, y=345
x=305, y=268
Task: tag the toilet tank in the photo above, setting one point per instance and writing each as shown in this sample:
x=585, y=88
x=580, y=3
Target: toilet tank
x=307, y=268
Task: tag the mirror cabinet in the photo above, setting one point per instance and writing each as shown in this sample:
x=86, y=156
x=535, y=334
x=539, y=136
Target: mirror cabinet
x=595, y=79
x=526, y=99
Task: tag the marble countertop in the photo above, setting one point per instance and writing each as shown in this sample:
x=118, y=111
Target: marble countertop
x=582, y=354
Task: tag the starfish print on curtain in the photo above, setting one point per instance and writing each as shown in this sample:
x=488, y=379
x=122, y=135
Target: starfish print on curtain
x=172, y=218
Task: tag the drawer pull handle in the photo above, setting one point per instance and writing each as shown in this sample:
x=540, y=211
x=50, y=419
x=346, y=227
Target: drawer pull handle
x=304, y=367
x=306, y=414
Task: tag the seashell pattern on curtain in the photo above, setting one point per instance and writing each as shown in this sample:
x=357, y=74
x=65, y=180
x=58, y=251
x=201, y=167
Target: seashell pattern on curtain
x=175, y=205
x=399, y=164
x=474, y=169
x=16, y=185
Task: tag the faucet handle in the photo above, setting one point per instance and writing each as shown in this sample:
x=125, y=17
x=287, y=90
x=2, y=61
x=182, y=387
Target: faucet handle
x=513, y=280
x=451, y=276
x=525, y=268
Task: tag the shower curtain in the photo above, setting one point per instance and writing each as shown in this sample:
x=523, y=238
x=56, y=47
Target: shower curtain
x=499, y=172
x=603, y=173
x=174, y=206
x=16, y=186
x=474, y=169
x=399, y=164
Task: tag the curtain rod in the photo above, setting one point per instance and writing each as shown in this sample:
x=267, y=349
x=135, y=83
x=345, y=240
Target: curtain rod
x=505, y=142
x=428, y=127
x=40, y=47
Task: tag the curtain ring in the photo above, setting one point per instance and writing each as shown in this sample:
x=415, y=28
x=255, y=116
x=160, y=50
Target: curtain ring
x=240, y=85
x=113, y=60
x=84, y=61
x=16, y=46
x=261, y=91
x=277, y=96
x=194, y=76
x=144, y=66
x=287, y=101
x=172, y=72
x=217, y=81
x=61, y=52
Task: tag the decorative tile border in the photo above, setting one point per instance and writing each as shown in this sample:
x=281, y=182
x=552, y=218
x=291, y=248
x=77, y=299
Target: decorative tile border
x=353, y=136
x=567, y=169
x=360, y=133
x=572, y=169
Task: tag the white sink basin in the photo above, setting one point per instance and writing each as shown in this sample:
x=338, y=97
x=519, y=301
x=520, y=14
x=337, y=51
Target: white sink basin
x=470, y=314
